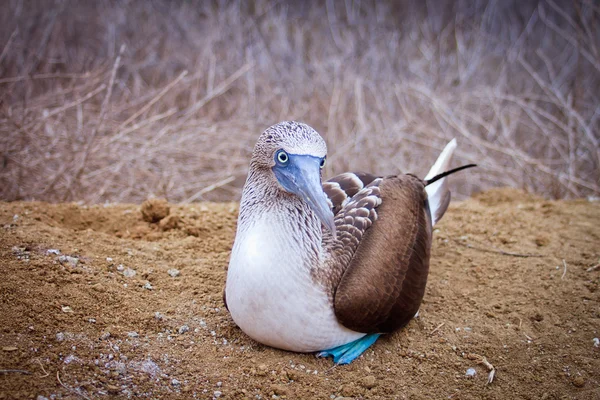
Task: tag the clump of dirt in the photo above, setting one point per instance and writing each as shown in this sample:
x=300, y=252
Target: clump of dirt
x=153, y=210
x=97, y=301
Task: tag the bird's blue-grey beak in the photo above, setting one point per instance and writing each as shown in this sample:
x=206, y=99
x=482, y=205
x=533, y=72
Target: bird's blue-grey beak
x=302, y=176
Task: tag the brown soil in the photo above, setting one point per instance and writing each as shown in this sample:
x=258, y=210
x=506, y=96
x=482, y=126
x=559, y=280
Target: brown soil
x=83, y=327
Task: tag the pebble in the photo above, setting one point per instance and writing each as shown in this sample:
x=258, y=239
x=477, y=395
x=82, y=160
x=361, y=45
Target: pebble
x=175, y=382
x=596, y=342
x=105, y=336
x=71, y=261
x=40, y=397
x=133, y=334
x=368, y=382
x=53, y=251
x=173, y=272
x=471, y=372
x=578, y=381
x=280, y=390
x=148, y=286
x=183, y=329
x=60, y=337
x=120, y=267
x=217, y=393
x=158, y=316
x=128, y=272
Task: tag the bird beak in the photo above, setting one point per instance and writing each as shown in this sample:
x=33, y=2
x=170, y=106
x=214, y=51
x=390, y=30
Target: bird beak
x=302, y=176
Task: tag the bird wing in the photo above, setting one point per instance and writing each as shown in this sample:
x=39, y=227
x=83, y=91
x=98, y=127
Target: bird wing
x=380, y=257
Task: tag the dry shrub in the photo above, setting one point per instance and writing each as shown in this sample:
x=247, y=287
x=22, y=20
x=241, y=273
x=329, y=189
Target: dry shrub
x=122, y=100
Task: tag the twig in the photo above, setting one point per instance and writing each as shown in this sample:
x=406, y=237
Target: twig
x=219, y=90
x=488, y=365
x=7, y=45
x=14, y=371
x=154, y=100
x=98, y=126
x=565, y=270
x=77, y=392
x=436, y=329
x=594, y=268
x=42, y=366
x=498, y=251
x=209, y=188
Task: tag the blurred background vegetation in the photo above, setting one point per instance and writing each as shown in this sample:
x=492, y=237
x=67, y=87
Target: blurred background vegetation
x=116, y=100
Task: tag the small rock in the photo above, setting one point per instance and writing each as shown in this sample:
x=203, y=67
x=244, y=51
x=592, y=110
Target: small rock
x=280, y=390
x=129, y=273
x=183, y=329
x=219, y=384
x=9, y=348
x=169, y=222
x=148, y=286
x=40, y=397
x=368, y=382
x=105, y=336
x=133, y=334
x=173, y=272
x=68, y=260
x=175, y=382
x=53, y=251
x=578, y=381
x=66, y=309
x=217, y=393
x=158, y=316
x=60, y=337
x=109, y=260
x=471, y=372
x=153, y=210
x=92, y=320
x=596, y=342
x=120, y=267
x=349, y=390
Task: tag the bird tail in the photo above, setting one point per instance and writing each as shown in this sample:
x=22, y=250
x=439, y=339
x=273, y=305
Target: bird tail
x=436, y=185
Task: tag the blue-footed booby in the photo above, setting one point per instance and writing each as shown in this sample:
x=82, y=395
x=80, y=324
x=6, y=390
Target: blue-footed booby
x=329, y=266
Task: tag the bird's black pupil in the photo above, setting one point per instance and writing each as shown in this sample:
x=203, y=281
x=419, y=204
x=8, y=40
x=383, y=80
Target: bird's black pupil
x=322, y=163
x=282, y=157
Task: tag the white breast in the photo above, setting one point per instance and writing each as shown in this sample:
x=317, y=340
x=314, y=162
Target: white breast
x=271, y=295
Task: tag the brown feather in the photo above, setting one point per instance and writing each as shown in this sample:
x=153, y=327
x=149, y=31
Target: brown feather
x=382, y=288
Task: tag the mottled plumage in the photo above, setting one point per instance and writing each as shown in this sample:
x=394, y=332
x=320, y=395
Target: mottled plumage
x=319, y=265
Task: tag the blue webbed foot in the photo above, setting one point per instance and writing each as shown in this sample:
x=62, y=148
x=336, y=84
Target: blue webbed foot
x=348, y=352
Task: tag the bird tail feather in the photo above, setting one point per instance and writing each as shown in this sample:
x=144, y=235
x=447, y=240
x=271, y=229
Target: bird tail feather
x=438, y=192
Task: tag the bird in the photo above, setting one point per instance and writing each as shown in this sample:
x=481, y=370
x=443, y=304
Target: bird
x=329, y=266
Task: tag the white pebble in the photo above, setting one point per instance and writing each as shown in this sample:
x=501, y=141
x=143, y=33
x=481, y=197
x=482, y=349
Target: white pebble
x=60, y=336
x=128, y=273
x=53, y=251
x=173, y=272
x=471, y=372
x=148, y=286
x=596, y=342
x=183, y=329
x=133, y=334
x=217, y=393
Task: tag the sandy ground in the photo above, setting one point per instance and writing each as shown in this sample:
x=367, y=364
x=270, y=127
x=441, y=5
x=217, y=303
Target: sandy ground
x=96, y=302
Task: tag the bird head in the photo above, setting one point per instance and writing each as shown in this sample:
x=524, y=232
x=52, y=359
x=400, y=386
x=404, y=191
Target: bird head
x=293, y=155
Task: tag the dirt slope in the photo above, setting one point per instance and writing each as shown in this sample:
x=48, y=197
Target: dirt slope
x=87, y=327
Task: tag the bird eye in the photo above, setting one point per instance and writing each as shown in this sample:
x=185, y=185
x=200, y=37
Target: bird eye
x=323, y=162
x=282, y=157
